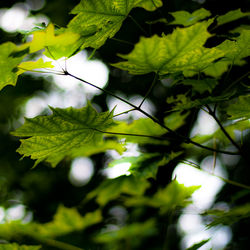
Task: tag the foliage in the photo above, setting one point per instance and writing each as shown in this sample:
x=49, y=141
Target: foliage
x=198, y=62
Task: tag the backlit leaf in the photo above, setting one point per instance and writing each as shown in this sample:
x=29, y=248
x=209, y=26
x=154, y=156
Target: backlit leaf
x=54, y=137
x=132, y=233
x=15, y=246
x=198, y=245
x=106, y=15
x=57, y=46
x=228, y=217
x=167, y=199
x=180, y=51
x=65, y=221
x=186, y=19
x=142, y=126
x=29, y=66
x=10, y=57
x=201, y=86
x=236, y=50
x=240, y=109
x=111, y=189
x=145, y=165
x=231, y=16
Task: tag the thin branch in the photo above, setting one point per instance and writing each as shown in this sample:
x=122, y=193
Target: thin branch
x=172, y=132
x=138, y=25
x=150, y=89
x=212, y=113
x=121, y=41
x=125, y=112
x=136, y=135
x=235, y=183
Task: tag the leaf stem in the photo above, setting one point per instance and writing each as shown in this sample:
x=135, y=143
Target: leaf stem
x=138, y=25
x=150, y=89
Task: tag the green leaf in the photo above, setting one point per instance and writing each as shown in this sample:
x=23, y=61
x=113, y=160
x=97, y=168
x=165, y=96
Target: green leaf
x=107, y=16
x=198, y=245
x=54, y=137
x=15, y=246
x=231, y=16
x=65, y=221
x=145, y=165
x=180, y=51
x=62, y=45
x=240, y=109
x=228, y=217
x=216, y=69
x=167, y=199
x=201, y=86
x=10, y=57
x=111, y=189
x=186, y=19
x=29, y=66
x=236, y=50
x=175, y=120
x=142, y=126
x=132, y=233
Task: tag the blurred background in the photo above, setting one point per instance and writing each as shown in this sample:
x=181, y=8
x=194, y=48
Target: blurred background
x=35, y=194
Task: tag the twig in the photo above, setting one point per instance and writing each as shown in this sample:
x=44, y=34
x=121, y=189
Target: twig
x=150, y=89
x=138, y=25
x=212, y=113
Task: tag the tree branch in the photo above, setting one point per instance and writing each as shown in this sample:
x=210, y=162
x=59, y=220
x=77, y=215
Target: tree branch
x=172, y=132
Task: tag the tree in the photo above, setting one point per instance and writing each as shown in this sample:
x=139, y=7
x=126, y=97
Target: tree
x=180, y=62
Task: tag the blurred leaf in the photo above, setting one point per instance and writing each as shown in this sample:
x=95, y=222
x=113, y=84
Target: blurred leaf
x=51, y=138
x=65, y=221
x=236, y=50
x=231, y=16
x=180, y=51
x=228, y=217
x=240, y=109
x=142, y=126
x=131, y=234
x=107, y=16
x=111, y=189
x=15, y=246
x=198, y=245
x=145, y=165
x=175, y=120
x=167, y=199
x=201, y=86
x=10, y=57
x=186, y=19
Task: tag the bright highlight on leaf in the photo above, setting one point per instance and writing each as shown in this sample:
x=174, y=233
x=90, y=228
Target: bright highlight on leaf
x=180, y=51
x=54, y=137
x=106, y=16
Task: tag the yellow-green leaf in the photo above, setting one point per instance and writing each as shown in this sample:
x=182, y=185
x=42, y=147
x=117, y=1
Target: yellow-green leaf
x=231, y=16
x=186, y=19
x=54, y=137
x=31, y=65
x=57, y=46
x=106, y=16
x=10, y=57
x=15, y=246
x=180, y=51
